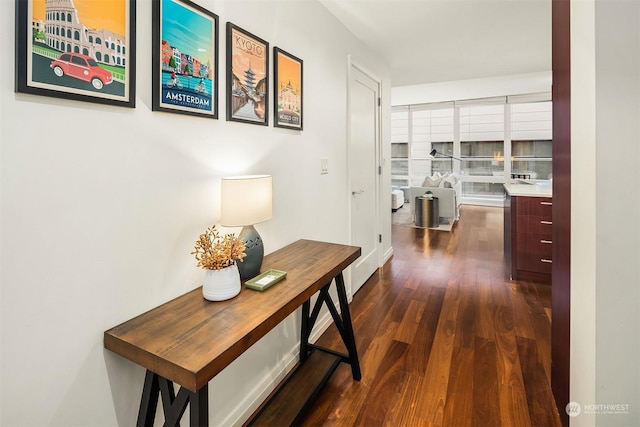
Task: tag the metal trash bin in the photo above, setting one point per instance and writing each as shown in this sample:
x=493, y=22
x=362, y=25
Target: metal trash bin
x=426, y=212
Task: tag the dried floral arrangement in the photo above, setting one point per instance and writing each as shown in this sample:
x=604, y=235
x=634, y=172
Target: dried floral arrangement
x=215, y=252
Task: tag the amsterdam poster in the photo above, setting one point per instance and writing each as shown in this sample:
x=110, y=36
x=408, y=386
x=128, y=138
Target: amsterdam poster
x=186, y=69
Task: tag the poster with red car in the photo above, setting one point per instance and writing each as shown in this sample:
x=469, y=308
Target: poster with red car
x=77, y=49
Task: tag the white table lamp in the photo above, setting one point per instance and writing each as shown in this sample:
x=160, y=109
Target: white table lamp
x=246, y=201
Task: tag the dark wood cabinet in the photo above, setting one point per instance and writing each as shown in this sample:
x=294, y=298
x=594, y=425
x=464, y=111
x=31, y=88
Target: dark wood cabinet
x=528, y=237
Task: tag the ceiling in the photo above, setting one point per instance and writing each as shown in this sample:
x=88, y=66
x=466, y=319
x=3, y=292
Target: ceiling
x=428, y=41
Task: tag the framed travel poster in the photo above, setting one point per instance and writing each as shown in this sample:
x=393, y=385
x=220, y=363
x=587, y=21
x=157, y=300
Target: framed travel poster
x=77, y=49
x=287, y=88
x=185, y=59
x=247, y=77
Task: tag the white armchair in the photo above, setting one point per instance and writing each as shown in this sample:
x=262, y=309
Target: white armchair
x=447, y=191
x=397, y=199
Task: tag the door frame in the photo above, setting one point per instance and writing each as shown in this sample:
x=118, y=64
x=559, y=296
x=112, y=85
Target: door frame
x=351, y=65
x=561, y=267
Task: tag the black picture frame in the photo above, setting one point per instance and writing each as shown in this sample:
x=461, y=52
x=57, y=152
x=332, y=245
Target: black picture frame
x=288, y=90
x=188, y=85
x=247, y=77
x=68, y=54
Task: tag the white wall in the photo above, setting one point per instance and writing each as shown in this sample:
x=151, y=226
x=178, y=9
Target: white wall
x=583, y=210
x=101, y=206
x=605, y=129
x=617, y=42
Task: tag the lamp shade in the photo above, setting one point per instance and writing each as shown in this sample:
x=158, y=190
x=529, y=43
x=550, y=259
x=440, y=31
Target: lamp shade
x=246, y=200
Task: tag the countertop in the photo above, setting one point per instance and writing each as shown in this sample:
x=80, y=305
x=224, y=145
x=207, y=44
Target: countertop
x=537, y=189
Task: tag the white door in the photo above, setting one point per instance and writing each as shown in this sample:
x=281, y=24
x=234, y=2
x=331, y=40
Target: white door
x=364, y=149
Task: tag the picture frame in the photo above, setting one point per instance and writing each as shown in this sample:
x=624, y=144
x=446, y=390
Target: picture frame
x=87, y=53
x=185, y=59
x=247, y=77
x=287, y=90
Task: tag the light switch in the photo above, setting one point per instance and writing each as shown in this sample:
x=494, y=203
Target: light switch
x=324, y=166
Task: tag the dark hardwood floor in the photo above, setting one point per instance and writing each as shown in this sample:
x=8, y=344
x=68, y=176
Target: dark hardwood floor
x=444, y=338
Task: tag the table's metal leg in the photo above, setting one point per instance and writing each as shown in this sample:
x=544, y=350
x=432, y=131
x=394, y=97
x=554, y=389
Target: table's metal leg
x=309, y=318
x=173, y=405
x=149, y=401
x=168, y=395
x=347, y=335
x=199, y=412
x=341, y=320
x=304, y=331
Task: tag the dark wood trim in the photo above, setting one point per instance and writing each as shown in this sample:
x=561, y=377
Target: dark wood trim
x=561, y=270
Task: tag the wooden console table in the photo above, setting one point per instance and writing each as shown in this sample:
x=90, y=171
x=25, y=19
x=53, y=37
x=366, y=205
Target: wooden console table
x=189, y=340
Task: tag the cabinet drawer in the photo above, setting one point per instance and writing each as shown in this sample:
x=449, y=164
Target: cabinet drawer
x=542, y=265
x=534, y=206
x=545, y=248
x=533, y=253
x=537, y=225
x=534, y=264
x=544, y=207
x=534, y=244
x=545, y=229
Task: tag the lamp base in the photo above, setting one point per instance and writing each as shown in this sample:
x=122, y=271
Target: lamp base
x=249, y=267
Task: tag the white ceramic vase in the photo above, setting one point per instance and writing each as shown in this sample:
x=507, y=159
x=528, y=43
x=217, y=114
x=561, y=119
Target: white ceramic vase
x=220, y=285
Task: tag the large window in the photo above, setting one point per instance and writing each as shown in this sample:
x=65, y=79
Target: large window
x=433, y=127
x=482, y=140
x=531, y=140
x=473, y=138
x=400, y=147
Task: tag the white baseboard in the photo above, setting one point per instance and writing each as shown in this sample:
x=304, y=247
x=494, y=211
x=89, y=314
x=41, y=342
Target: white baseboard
x=387, y=256
x=250, y=403
x=247, y=406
